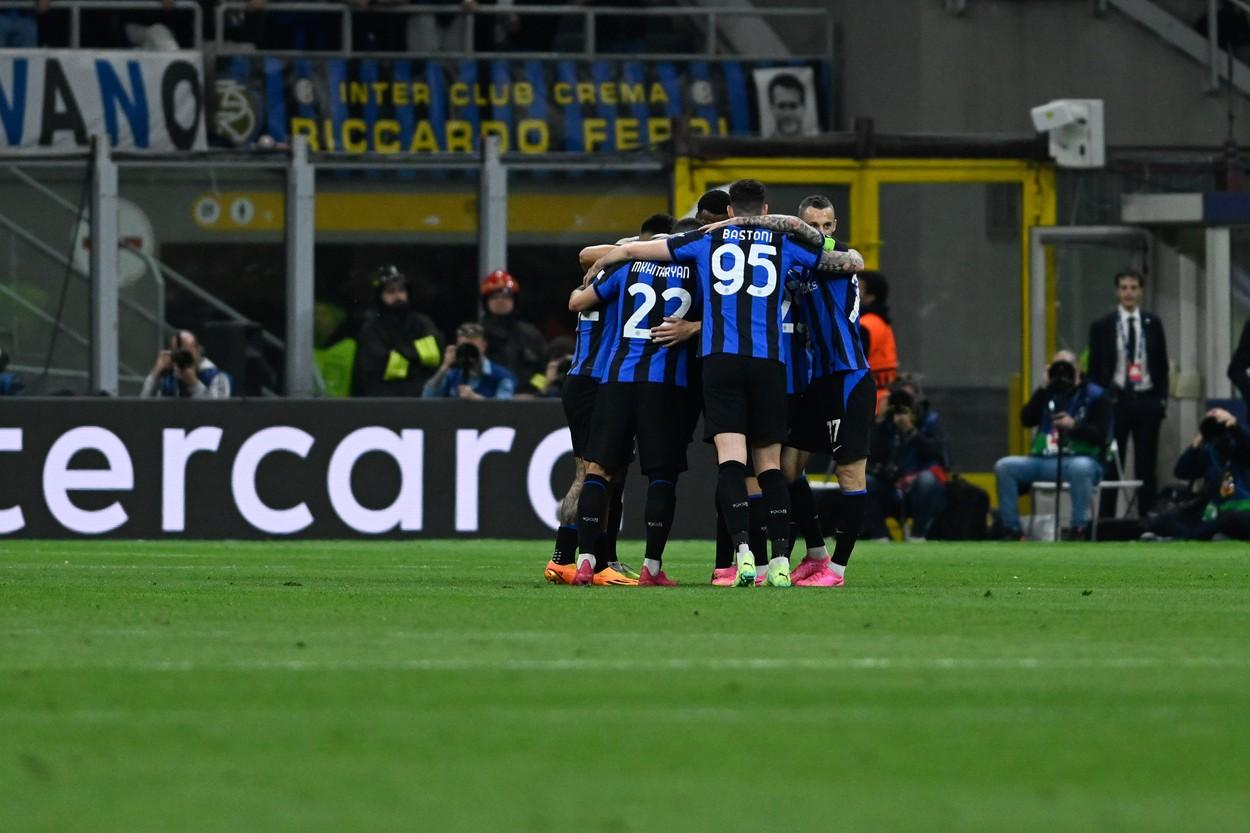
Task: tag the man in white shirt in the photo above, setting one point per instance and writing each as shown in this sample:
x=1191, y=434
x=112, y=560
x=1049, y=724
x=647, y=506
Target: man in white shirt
x=1128, y=355
x=183, y=372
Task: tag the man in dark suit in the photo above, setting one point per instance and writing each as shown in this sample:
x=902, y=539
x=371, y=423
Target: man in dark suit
x=1129, y=356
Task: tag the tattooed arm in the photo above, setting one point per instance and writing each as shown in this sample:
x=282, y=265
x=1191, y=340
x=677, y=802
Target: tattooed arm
x=848, y=261
x=783, y=223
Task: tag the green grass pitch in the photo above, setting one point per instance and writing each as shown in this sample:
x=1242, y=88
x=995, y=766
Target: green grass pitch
x=442, y=686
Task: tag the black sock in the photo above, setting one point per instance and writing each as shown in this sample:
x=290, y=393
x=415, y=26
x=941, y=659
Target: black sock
x=803, y=513
x=759, y=529
x=777, y=502
x=850, y=521
x=661, y=503
x=612, y=529
x=731, y=494
x=724, y=547
x=591, y=508
x=566, y=545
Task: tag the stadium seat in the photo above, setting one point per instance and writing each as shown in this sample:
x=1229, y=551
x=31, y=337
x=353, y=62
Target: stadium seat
x=1119, y=483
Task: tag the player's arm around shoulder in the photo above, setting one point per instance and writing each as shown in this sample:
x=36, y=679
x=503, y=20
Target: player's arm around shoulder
x=781, y=223
x=638, y=250
x=838, y=262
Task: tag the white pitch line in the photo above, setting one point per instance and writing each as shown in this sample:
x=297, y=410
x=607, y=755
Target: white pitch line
x=575, y=664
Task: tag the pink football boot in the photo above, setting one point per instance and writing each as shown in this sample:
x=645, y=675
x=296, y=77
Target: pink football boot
x=808, y=567
x=825, y=578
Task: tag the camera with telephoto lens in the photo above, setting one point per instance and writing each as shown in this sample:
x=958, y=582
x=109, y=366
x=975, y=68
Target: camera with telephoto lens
x=1212, y=430
x=900, y=402
x=1061, y=378
x=1217, y=435
x=468, y=358
x=184, y=359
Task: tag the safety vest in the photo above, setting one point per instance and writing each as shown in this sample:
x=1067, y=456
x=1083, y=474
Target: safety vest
x=882, y=354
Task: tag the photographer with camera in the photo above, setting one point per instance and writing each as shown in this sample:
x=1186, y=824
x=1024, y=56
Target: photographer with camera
x=1220, y=457
x=907, y=463
x=466, y=373
x=559, y=363
x=1073, y=421
x=10, y=383
x=183, y=372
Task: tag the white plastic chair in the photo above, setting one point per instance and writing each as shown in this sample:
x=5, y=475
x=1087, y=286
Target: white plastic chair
x=1119, y=483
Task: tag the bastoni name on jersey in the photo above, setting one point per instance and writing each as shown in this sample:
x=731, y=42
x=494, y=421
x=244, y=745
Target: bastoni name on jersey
x=736, y=233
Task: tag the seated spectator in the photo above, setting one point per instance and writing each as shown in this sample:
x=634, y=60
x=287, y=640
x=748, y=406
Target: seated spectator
x=511, y=342
x=183, y=372
x=559, y=360
x=467, y=373
x=445, y=31
x=907, y=463
x=1069, y=412
x=10, y=383
x=1220, y=457
x=18, y=29
x=398, y=348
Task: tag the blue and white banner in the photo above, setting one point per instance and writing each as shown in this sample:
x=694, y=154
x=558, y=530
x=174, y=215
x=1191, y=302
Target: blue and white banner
x=53, y=100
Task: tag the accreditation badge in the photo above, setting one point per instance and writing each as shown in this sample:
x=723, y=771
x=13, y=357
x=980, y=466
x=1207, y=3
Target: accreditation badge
x=1135, y=373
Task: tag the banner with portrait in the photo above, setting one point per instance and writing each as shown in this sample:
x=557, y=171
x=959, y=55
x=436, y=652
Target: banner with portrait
x=394, y=106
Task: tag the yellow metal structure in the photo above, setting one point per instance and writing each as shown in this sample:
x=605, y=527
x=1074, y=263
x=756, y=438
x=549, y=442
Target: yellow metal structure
x=692, y=177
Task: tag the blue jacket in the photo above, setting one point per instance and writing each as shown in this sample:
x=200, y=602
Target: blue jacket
x=172, y=386
x=494, y=382
x=11, y=384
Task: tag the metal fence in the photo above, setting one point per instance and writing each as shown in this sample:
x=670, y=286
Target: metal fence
x=179, y=9
x=713, y=33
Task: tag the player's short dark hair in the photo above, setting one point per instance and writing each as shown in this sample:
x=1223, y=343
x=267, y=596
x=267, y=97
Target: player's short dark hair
x=657, y=224
x=685, y=224
x=747, y=196
x=1130, y=273
x=817, y=201
x=791, y=82
x=875, y=284
x=714, y=203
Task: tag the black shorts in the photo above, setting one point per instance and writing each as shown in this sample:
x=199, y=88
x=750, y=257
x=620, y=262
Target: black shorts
x=794, y=409
x=694, y=397
x=578, y=398
x=744, y=395
x=836, y=416
x=652, y=412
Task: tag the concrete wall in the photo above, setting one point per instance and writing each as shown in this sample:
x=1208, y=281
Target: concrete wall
x=913, y=67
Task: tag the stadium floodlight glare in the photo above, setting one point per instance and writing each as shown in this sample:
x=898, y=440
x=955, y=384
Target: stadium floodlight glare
x=1075, y=128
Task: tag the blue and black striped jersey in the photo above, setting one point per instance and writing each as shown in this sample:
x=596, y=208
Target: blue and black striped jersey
x=798, y=362
x=829, y=311
x=741, y=273
x=588, y=340
x=640, y=295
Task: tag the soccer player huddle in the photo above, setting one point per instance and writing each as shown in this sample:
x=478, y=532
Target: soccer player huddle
x=748, y=319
